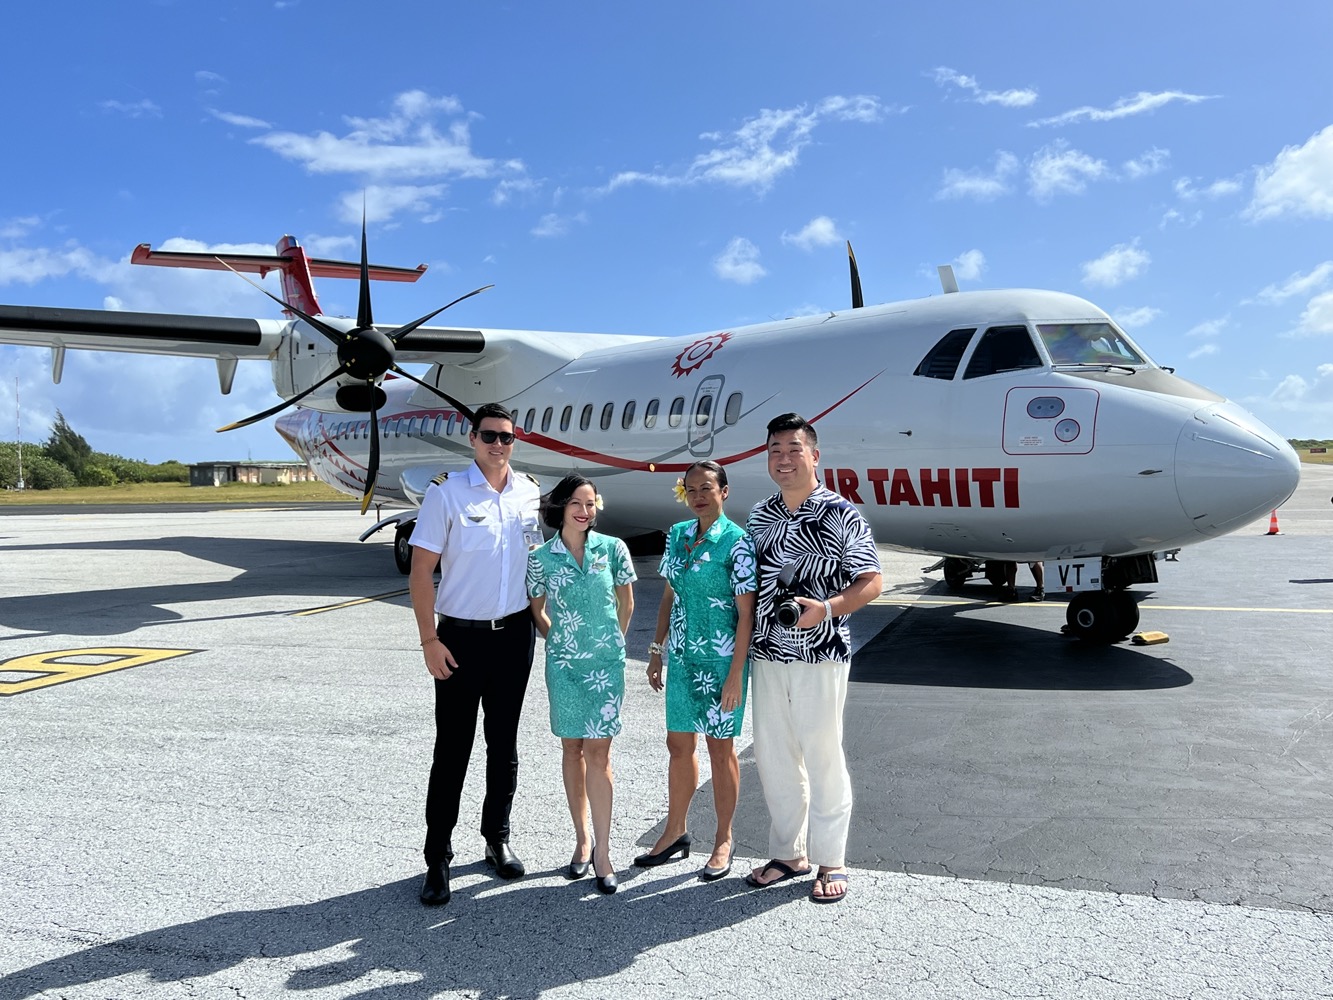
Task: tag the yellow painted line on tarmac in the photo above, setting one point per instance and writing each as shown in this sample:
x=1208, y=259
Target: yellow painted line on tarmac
x=1048, y=603
x=350, y=604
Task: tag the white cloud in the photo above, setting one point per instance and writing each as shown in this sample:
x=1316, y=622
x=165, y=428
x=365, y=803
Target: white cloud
x=1309, y=400
x=1208, y=328
x=1203, y=351
x=29, y=265
x=1141, y=103
x=1174, y=217
x=1154, y=161
x=17, y=228
x=1298, y=182
x=739, y=262
x=205, y=76
x=407, y=144
x=383, y=201
x=1118, y=265
x=1132, y=319
x=1186, y=191
x=553, y=224
x=977, y=184
x=818, y=232
x=758, y=153
x=1298, y=284
x=1317, y=318
x=1057, y=169
x=1016, y=98
x=240, y=121
x=508, y=189
x=969, y=265
x=136, y=109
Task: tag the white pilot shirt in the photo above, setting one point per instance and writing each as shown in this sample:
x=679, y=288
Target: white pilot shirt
x=483, y=537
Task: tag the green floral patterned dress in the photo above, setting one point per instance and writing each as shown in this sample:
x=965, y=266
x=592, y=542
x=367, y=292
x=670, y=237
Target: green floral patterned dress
x=706, y=575
x=585, y=650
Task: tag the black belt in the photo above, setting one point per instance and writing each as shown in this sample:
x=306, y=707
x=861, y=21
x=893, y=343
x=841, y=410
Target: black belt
x=493, y=624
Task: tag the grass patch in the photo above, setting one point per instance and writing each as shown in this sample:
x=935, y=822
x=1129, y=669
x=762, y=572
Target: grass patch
x=180, y=493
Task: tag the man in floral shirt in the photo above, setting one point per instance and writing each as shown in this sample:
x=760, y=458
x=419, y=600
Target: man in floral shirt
x=800, y=673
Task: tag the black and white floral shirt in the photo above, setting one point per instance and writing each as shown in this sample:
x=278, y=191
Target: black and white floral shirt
x=831, y=545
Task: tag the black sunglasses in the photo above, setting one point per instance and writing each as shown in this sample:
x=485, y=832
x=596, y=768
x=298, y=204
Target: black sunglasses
x=490, y=437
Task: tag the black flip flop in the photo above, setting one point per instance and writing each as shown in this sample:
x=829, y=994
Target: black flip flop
x=780, y=866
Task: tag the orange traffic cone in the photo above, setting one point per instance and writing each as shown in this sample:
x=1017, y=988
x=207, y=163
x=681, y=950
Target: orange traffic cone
x=1272, y=524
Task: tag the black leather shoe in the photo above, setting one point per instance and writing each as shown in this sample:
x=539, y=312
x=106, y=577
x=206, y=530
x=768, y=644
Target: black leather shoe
x=503, y=860
x=578, y=869
x=679, y=847
x=435, y=890
x=607, y=884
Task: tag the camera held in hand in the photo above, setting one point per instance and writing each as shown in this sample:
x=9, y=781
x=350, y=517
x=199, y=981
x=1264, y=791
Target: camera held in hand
x=786, y=609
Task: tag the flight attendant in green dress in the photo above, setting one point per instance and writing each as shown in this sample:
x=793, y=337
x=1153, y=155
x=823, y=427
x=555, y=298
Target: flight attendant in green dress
x=580, y=586
x=704, y=625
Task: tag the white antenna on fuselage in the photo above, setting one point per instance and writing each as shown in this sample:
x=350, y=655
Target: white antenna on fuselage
x=947, y=281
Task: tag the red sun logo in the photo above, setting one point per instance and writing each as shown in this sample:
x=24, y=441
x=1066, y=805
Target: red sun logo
x=697, y=353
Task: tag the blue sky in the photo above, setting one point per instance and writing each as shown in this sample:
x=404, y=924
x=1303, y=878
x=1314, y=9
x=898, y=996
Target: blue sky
x=623, y=168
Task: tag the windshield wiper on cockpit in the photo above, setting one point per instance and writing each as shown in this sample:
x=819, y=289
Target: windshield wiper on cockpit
x=1102, y=365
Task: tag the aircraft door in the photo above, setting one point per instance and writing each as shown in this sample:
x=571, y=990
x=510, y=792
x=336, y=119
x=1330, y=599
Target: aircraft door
x=703, y=415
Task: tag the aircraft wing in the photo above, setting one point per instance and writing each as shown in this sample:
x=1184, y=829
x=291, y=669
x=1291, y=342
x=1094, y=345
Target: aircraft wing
x=141, y=333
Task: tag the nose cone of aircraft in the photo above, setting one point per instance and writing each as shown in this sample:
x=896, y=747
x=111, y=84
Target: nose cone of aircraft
x=1231, y=469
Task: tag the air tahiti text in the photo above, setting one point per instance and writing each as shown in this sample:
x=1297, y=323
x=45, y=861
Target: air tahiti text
x=994, y=487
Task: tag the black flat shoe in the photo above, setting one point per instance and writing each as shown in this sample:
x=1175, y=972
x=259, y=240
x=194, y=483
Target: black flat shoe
x=435, y=890
x=578, y=869
x=607, y=884
x=503, y=860
x=680, y=846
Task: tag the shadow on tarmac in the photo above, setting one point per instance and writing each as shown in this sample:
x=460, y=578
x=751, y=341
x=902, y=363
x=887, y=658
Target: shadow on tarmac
x=959, y=646
x=267, y=566
x=521, y=940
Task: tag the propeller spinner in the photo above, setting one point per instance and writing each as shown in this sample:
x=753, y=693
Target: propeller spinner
x=364, y=354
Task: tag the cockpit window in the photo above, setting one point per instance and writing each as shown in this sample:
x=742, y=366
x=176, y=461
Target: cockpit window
x=942, y=360
x=1003, y=349
x=1087, y=344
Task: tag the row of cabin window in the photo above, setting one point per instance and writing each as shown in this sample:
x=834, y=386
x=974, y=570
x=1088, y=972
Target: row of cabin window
x=456, y=424
x=703, y=414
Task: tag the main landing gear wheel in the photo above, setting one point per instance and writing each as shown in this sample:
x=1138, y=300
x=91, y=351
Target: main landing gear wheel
x=956, y=572
x=402, y=547
x=1102, y=617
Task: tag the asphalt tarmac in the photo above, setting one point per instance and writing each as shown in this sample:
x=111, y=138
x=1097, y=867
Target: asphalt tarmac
x=216, y=729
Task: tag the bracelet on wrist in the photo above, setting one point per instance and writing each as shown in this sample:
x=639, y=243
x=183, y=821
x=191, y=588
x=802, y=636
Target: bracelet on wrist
x=828, y=611
x=656, y=647
x=427, y=642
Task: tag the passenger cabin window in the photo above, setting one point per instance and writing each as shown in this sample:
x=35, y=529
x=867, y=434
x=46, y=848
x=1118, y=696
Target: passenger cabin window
x=650, y=414
x=942, y=359
x=449, y=427
x=546, y=419
x=607, y=412
x=677, y=411
x=566, y=415
x=1003, y=349
x=704, y=411
x=439, y=424
x=585, y=418
x=529, y=420
x=733, y=411
x=1087, y=344
x=627, y=417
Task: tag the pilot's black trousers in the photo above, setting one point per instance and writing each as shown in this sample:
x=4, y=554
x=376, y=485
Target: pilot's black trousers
x=492, y=676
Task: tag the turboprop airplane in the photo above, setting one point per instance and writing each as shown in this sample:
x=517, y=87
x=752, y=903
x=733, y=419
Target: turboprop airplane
x=990, y=425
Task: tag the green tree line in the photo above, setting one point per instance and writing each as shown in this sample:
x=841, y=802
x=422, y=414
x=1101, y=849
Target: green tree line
x=67, y=460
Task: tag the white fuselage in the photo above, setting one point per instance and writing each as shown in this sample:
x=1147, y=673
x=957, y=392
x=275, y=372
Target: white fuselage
x=1142, y=460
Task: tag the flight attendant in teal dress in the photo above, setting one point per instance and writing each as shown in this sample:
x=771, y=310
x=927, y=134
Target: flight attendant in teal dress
x=704, y=625
x=580, y=585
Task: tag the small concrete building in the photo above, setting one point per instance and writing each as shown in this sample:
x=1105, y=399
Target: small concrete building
x=221, y=473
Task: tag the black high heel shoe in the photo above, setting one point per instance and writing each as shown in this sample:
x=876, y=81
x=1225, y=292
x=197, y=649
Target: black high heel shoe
x=679, y=846
x=606, y=884
x=710, y=874
x=578, y=869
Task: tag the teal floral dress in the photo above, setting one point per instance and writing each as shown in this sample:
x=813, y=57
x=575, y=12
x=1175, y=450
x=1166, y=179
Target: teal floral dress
x=705, y=574
x=585, y=650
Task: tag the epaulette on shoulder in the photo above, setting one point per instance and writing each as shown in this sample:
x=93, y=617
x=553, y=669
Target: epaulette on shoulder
x=440, y=478
x=535, y=481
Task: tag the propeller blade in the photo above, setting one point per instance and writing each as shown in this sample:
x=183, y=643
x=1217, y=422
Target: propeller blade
x=465, y=410
x=403, y=331
x=335, y=336
x=373, y=466
x=284, y=404
x=364, y=319
x=857, y=300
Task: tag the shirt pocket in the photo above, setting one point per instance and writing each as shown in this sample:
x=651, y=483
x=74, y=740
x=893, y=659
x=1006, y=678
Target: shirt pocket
x=478, y=536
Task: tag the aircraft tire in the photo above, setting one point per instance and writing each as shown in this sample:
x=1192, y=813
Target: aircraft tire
x=1099, y=617
x=1128, y=611
x=956, y=572
x=402, y=547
